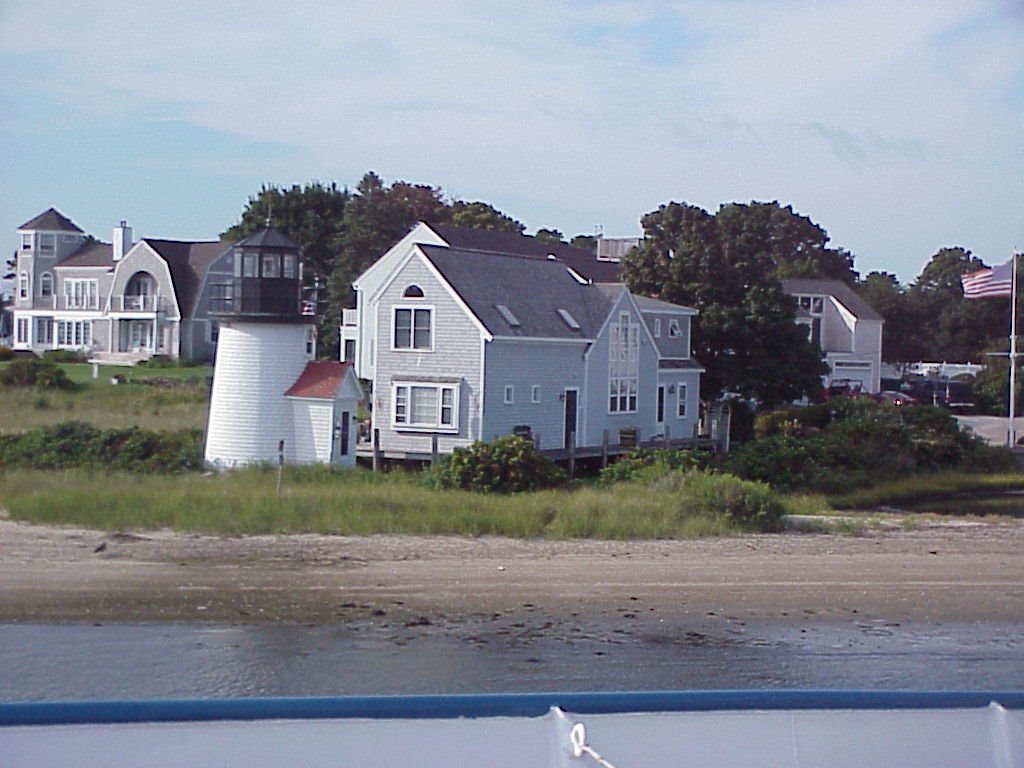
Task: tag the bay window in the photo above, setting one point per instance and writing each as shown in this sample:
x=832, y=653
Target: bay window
x=425, y=406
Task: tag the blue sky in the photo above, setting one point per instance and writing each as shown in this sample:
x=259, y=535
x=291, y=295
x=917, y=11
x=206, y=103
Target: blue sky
x=897, y=126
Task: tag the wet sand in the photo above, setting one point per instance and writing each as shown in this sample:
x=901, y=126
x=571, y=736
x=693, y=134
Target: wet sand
x=959, y=571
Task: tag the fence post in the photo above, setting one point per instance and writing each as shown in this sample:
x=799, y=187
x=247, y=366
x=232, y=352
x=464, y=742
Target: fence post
x=433, y=449
x=376, y=449
x=604, y=450
x=572, y=455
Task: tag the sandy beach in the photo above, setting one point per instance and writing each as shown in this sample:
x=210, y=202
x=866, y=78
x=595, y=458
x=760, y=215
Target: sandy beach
x=959, y=571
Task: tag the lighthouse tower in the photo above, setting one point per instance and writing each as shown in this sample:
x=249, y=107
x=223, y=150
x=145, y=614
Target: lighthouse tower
x=264, y=344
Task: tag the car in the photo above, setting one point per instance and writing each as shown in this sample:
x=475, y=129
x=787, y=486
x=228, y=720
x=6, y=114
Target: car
x=896, y=398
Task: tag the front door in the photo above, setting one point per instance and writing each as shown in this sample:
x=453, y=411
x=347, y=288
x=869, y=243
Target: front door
x=569, y=436
x=661, y=408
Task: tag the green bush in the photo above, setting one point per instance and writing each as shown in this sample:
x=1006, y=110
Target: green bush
x=33, y=372
x=76, y=444
x=643, y=463
x=508, y=465
x=65, y=356
x=748, y=505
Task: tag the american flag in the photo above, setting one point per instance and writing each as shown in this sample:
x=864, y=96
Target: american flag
x=995, y=281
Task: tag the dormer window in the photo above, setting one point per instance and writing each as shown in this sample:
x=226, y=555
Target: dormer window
x=413, y=292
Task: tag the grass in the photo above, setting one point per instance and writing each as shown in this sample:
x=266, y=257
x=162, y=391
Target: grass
x=949, y=491
x=106, y=406
x=354, y=502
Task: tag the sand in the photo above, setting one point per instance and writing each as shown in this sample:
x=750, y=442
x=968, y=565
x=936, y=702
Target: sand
x=958, y=571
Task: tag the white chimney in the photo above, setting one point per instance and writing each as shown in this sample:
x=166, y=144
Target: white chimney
x=122, y=240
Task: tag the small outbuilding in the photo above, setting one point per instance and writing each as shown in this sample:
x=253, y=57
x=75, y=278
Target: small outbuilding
x=324, y=400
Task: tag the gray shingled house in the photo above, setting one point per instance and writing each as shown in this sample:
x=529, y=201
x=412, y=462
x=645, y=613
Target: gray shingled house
x=122, y=301
x=465, y=344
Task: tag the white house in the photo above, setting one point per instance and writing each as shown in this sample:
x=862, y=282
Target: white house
x=324, y=402
x=846, y=328
x=121, y=301
x=470, y=344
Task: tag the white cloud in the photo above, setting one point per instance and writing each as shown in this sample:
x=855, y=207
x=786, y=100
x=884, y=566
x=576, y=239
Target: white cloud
x=585, y=112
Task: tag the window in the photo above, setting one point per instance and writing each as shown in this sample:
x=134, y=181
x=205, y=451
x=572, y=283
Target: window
x=681, y=400
x=413, y=328
x=81, y=294
x=423, y=406
x=535, y=393
x=46, y=284
x=509, y=394
x=47, y=242
x=74, y=333
x=623, y=364
x=250, y=267
x=271, y=265
x=22, y=331
x=44, y=330
x=214, y=331
x=288, y=264
x=23, y=285
x=311, y=340
x=26, y=241
x=508, y=316
x=674, y=330
x=413, y=292
x=657, y=327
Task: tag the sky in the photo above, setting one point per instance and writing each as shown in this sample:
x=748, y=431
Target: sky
x=896, y=126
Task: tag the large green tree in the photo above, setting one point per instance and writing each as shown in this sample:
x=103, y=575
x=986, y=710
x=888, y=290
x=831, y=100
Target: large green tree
x=956, y=329
x=726, y=267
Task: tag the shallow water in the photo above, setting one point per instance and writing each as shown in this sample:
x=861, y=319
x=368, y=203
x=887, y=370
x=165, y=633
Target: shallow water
x=79, y=662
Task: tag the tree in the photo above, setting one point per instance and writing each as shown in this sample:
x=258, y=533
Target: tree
x=795, y=245
x=586, y=242
x=479, y=215
x=312, y=216
x=956, y=329
x=746, y=336
x=549, y=236
x=904, y=334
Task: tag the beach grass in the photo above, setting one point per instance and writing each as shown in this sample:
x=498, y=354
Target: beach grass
x=108, y=406
x=353, y=502
x=945, y=491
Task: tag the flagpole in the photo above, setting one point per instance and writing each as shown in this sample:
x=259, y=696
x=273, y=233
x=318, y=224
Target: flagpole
x=1011, y=434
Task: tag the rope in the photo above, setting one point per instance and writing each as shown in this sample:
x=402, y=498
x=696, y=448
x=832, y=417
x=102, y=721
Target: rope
x=578, y=737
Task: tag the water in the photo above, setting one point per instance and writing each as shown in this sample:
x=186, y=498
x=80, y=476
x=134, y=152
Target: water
x=80, y=662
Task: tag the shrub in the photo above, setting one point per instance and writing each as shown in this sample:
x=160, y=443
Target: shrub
x=642, y=463
x=76, y=444
x=65, y=356
x=33, y=372
x=748, y=505
x=6, y=353
x=508, y=465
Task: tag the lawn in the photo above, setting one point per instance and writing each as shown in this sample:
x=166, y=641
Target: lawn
x=175, y=398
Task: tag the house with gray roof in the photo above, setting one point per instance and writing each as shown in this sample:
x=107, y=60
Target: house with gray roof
x=463, y=344
x=846, y=329
x=121, y=301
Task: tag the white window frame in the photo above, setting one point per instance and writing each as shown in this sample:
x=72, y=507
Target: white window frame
x=675, y=329
x=74, y=334
x=46, y=284
x=510, y=394
x=81, y=293
x=657, y=327
x=44, y=330
x=414, y=311
x=681, y=400
x=21, y=331
x=26, y=241
x=535, y=393
x=23, y=290
x=47, y=242
x=446, y=409
x=623, y=364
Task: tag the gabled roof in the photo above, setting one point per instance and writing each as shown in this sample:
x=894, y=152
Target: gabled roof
x=839, y=290
x=51, y=220
x=320, y=380
x=188, y=262
x=269, y=238
x=646, y=304
x=94, y=254
x=533, y=290
x=581, y=260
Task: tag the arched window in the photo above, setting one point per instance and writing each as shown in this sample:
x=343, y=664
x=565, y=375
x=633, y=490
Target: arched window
x=46, y=284
x=413, y=292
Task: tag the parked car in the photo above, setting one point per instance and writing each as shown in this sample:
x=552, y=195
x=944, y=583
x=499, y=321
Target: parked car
x=896, y=398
